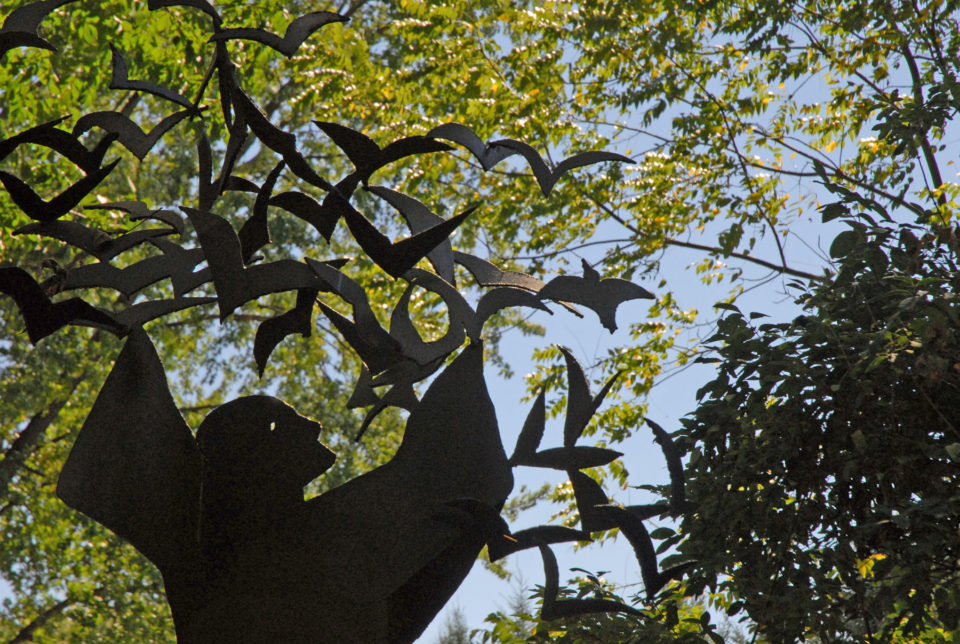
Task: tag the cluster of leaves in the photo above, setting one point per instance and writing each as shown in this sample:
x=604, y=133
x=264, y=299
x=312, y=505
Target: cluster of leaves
x=825, y=455
x=677, y=619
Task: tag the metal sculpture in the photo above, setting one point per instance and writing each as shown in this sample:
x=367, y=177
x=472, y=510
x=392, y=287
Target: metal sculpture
x=221, y=513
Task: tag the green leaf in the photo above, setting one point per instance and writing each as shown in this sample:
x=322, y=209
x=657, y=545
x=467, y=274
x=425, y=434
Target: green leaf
x=832, y=211
x=844, y=243
x=662, y=533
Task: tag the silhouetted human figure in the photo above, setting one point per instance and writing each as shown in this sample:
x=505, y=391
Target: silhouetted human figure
x=244, y=558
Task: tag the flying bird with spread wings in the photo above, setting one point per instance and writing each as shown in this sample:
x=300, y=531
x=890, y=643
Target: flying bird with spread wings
x=602, y=296
x=21, y=28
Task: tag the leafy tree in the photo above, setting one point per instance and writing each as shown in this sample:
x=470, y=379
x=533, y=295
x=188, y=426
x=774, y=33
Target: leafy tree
x=455, y=629
x=821, y=456
x=832, y=439
x=748, y=115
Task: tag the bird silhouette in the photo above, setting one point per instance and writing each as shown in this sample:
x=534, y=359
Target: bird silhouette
x=120, y=79
x=185, y=277
x=602, y=296
x=400, y=395
x=570, y=458
x=554, y=608
x=237, y=183
x=136, y=315
x=462, y=320
x=282, y=142
x=591, y=499
x=254, y=234
x=92, y=240
x=548, y=178
x=372, y=343
x=420, y=218
x=503, y=297
x=48, y=211
x=21, y=27
x=236, y=283
x=678, y=498
x=532, y=538
x=631, y=526
x=396, y=258
x=272, y=332
x=209, y=189
x=308, y=209
x=295, y=35
x=531, y=434
x=61, y=142
x=400, y=376
x=132, y=279
x=128, y=133
x=367, y=157
x=400, y=357
x=487, y=274
x=488, y=155
x=138, y=210
x=202, y=5
x=581, y=406
x=42, y=316
x=363, y=394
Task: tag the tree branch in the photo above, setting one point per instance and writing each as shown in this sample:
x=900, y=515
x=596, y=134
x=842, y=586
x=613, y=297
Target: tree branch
x=928, y=155
x=26, y=633
x=30, y=438
x=786, y=270
x=783, y=269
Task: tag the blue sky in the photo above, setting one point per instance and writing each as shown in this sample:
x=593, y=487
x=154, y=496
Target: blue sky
x=672, y=397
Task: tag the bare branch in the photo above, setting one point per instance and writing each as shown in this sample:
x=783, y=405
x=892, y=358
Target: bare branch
x=780, y=268
x=27, y=632
x=30, y=438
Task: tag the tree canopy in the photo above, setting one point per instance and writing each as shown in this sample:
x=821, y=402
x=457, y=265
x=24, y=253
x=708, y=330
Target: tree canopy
x=823, y=455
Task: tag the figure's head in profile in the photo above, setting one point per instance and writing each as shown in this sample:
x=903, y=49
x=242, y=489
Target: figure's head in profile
x=261, y=446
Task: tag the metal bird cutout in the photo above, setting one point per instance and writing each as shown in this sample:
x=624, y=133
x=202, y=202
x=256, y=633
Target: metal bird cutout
x=43, y=211
x=603, y=296
x=128, y=133
x=61, y=142
x=120, y=79
x=43, y=316
x=296, y=34
x=22, y=27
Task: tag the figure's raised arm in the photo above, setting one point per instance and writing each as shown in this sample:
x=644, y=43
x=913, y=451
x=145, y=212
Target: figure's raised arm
x=135, y=466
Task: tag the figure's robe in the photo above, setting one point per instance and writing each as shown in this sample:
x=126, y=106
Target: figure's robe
x=244, y=558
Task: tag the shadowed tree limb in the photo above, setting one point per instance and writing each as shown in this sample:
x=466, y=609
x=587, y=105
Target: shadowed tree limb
x=27, y=632
x=31, y=437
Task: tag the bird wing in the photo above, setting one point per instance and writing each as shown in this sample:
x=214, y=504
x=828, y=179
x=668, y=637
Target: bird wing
x=532, y=432
x=302, y=205
x=44, y=211
x=487, y=155
x=272, y=332
x=119, y=79
x=419, y=218
x=305, y=26
x=28, y=17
